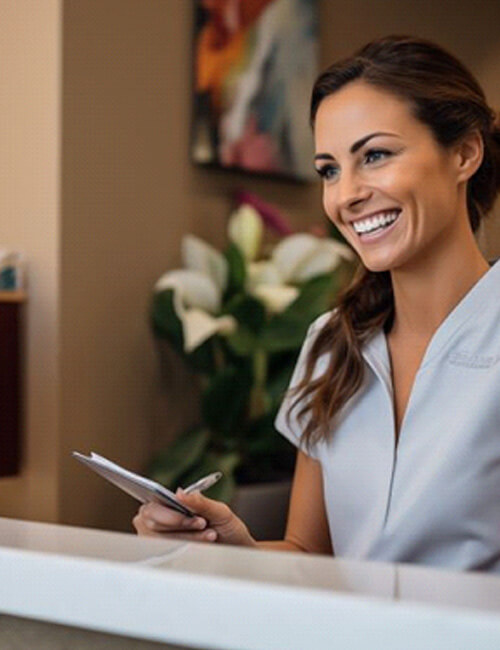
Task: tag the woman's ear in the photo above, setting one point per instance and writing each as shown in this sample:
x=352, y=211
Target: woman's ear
x=469, y=155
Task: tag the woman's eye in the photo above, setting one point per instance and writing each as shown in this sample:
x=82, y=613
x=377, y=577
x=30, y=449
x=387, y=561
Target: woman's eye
x=327, y=172
x=374, y=155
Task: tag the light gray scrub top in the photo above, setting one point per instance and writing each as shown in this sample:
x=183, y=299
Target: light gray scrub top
x=435, y=498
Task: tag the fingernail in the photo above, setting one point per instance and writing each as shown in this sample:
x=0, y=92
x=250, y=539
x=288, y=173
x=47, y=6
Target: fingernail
x=198, y=523
x=211, y=536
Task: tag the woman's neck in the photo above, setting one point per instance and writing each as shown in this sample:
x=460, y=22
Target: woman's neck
x=427, y=292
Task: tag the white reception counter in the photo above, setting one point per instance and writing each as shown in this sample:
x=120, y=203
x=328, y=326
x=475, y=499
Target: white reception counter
x=210, y=596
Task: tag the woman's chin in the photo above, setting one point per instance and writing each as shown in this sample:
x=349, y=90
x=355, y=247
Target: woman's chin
x=378, y=265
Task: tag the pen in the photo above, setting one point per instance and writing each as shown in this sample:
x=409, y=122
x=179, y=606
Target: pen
x=204, y=483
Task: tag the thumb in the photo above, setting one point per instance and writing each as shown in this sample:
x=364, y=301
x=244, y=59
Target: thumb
x=215, y=512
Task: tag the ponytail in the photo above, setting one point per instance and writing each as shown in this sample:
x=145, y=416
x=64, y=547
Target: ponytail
x=365, y=307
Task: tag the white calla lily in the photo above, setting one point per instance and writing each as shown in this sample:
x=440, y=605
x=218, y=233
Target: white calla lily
x=264, y=272
x=197, y=255
x=275, y=298
x=245, y=229
x=196, y=299
x=302, y=256
x=192, y=289
x=344, y=251
x=323, y=259
x=198, y=326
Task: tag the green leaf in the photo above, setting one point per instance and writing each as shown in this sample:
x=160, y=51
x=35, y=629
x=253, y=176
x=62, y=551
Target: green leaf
x=316, y=296
x=243, y=342
x=165, y=322
x=286, y=331
x=202, y=358
x=224, y=400
x=267, y=454
x=261, y=433
x=185, y=452
x=283, y=333
x=279, y=375
x=237, y=269
x=247, y=310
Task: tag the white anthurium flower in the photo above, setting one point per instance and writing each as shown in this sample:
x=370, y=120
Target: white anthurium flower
x=245, y=229
x=263, y=272
x=302, y=256
x=275, y=298
x=197, y=255
x=198, y=326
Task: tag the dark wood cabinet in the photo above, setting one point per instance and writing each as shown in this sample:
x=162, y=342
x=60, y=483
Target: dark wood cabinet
x=11, y=418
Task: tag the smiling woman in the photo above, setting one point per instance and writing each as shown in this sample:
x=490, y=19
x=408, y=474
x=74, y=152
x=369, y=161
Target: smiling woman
x=394, y=404
x=408, y=150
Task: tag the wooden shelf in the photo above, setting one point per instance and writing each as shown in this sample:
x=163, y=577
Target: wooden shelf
x=12, y=296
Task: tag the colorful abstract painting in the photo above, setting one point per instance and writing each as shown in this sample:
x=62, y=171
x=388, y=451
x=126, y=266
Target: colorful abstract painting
x=254, y=65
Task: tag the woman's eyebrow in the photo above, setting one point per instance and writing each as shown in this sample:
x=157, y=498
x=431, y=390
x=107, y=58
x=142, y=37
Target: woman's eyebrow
x=357, y=145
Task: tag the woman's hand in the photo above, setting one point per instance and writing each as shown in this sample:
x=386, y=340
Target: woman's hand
x=214, y=522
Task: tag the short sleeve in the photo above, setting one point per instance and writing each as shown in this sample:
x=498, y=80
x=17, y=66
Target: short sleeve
x=290, y=427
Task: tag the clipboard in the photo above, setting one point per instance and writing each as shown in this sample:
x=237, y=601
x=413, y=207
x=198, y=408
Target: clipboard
x=143, y=489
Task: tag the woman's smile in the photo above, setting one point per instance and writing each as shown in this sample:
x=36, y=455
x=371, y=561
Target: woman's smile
x=372, y=228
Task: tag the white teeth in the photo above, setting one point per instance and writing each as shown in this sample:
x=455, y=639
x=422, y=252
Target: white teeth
x=376, y=222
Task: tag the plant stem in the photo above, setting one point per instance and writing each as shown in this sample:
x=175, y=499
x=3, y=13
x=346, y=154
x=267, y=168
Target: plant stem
x=218, y=354
x=258, y=397
x=219, y=363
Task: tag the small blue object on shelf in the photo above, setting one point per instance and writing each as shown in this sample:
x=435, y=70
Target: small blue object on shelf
x=10, y=270
x=8, y=279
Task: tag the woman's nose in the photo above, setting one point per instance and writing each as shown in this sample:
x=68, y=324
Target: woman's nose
x=351, y=190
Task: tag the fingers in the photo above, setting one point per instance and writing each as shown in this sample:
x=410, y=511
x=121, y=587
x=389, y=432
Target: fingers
x=214, y=521
x=155, y=520
x=208, y=535
x=230, y=529
x=166, y=518
x=215, y=512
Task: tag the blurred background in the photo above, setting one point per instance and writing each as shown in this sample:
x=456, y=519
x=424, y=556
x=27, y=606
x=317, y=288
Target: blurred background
x=97, y=190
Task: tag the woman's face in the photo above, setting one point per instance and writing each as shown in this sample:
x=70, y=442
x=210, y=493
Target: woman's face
x=388, y=186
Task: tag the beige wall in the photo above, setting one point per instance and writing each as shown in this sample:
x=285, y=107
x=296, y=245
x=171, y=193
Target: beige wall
x=30, y=93
x=108, y=86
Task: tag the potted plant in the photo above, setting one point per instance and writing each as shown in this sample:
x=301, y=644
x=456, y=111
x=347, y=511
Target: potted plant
x=238, y=319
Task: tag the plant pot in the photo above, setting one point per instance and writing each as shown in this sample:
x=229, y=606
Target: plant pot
x=263, y=507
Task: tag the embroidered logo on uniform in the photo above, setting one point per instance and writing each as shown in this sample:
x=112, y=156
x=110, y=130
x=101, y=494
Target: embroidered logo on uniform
x=473, y=360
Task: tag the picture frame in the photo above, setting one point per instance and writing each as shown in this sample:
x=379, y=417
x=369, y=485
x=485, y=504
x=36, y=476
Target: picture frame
x=254, y=64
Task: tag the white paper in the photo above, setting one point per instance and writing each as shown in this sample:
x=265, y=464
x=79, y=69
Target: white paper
x=141, y=488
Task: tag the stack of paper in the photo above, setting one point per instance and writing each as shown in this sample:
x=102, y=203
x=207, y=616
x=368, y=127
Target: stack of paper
x=141, y=488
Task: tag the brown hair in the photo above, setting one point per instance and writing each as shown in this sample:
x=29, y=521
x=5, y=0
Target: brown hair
x=444, y=95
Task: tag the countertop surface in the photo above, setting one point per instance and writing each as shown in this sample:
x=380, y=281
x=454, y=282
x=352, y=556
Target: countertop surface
x=214, y=596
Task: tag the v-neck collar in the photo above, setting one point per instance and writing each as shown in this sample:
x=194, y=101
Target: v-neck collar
x=376, y=352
